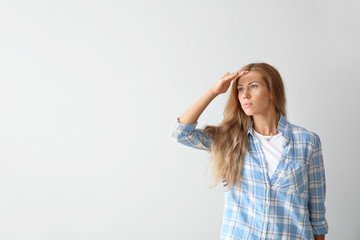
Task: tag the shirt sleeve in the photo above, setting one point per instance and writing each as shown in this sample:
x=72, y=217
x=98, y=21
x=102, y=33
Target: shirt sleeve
x=189, y=135
x=317, y=190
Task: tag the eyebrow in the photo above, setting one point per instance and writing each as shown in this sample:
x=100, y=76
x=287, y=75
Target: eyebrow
x=248, y=83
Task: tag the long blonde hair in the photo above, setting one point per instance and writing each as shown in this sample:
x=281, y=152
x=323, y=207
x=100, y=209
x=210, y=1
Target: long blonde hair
x=229, y=138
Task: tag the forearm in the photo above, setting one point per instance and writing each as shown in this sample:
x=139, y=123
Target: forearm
x=319, y=237
x=193, y=113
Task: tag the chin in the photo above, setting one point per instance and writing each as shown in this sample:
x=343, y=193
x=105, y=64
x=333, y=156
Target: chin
x=248, y=113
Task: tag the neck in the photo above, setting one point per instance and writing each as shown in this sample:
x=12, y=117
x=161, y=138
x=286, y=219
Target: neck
x=266, y=124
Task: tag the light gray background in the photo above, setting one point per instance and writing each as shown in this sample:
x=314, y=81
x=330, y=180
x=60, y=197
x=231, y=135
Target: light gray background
x=89, y=90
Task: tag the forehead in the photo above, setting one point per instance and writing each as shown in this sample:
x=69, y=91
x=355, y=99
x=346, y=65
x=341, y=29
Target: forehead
x=250, y=77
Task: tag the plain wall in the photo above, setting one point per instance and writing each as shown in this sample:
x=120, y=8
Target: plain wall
x=89, y=90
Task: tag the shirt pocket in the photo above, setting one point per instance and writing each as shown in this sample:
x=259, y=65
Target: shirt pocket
x=295, y=177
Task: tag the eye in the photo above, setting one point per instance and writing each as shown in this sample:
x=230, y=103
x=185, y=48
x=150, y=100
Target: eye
x=240, y=89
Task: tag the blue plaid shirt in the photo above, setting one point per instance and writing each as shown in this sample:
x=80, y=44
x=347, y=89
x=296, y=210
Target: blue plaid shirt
x=287, y=205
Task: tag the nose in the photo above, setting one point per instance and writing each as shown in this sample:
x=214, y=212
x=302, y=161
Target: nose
x=245, y=93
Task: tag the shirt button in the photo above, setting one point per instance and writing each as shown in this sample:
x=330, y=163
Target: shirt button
x=266, y=204
x=283, y=159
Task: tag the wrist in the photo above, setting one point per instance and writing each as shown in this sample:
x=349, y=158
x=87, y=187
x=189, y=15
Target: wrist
x=212, y=93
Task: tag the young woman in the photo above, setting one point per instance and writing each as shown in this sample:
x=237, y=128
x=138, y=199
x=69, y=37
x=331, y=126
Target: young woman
x=273, y=170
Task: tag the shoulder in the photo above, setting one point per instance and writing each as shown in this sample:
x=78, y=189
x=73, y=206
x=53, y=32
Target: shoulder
x=304, y=135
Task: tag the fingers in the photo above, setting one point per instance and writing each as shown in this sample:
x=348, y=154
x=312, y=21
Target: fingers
x=226, y=74
x=232, y=76
x=237, y=74
x=243, y=73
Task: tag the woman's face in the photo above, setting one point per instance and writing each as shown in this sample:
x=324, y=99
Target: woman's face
x=252, y=89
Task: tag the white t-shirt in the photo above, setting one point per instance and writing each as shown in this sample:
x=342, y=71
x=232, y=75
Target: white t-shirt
x=272, y=149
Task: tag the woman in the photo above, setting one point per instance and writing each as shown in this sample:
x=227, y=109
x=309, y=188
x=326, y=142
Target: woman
x=273, y=170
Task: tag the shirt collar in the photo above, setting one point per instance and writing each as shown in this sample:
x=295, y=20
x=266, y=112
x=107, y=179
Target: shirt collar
x=284, y=126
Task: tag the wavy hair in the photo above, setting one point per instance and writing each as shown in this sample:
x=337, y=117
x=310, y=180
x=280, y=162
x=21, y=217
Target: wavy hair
x=229, y=139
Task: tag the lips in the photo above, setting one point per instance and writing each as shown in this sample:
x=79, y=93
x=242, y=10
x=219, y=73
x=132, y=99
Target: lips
x=247, y=104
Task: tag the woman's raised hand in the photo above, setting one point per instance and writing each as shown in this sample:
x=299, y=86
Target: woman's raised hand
x=224, y=83
x=193, y=113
